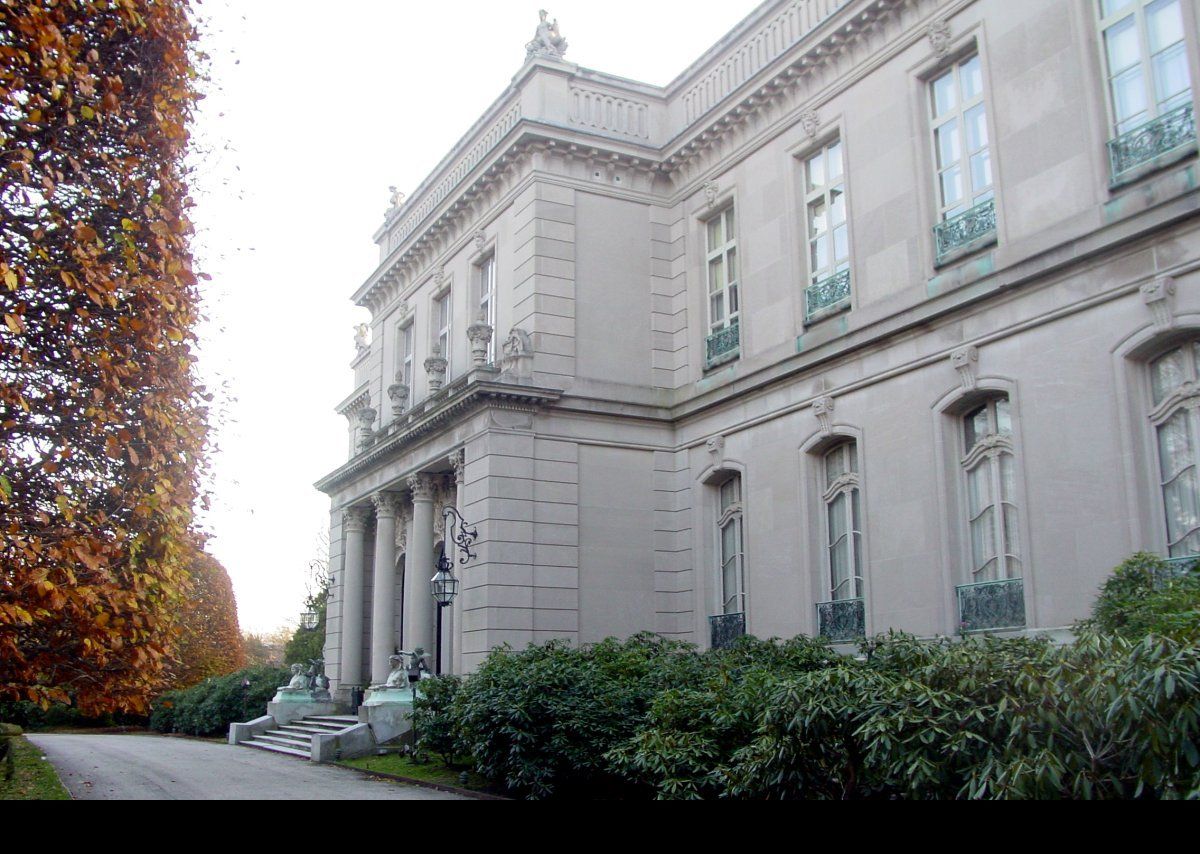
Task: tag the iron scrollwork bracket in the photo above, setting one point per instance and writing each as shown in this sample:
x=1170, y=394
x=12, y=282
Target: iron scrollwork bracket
x=460, y=533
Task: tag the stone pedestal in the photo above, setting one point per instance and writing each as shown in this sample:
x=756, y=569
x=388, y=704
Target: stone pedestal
x=292, y=704
x=388, y=711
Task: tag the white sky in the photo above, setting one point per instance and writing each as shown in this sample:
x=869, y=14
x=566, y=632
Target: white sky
x=313, y=111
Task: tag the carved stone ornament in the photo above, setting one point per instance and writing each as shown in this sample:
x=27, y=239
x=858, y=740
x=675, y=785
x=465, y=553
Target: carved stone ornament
x=366, y=422
x=480, y=335
x=439, y=276
x=966, y=362
x=480, y=239
x=395, y=200
x=421, y=486
x=940, y=38
x=436, y=366
x=711, y=191
x=810, y=122
x=386, y=504
x=405, y=310
x=354, y=519
x=716, y=445
x=362, y=341
x=398, y=393
x=1159, y=296
x=402, y=531
x=823, y=408
x=547, y=41
x=458, y=462
x=518, y=354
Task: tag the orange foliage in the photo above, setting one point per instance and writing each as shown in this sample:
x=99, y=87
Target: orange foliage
x=210, y=643
x=101, y=418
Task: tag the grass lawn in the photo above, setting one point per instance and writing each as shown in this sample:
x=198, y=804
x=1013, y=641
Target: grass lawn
x=35, y=779
x=429, y=772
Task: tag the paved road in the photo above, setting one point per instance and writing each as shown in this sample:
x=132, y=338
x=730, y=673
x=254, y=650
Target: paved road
x=146, y=767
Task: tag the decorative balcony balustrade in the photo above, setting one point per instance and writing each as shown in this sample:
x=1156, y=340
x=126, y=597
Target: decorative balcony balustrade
x=723, y=346
x=726, y=629
x=1168, y=133
x=844, y=620
x=992, y=606
x=1178, y=567
x=970, y=230
x=827, y=295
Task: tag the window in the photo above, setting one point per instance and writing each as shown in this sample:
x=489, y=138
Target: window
x=844, y=523
x=487, y=301
x=733, y=579
x=1145, y=58
x=1174, y=393
x=442, y=317
x=404, y=359
x=990, y=471
x=724, y=307
x=960, y=139
x=828, y=233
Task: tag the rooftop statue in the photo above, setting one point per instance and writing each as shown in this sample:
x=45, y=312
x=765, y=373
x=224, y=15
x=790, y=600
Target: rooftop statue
x=548, y=41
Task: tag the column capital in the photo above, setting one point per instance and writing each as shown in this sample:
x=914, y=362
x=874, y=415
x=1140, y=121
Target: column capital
x=354, y=519
x=387, y=504
x=458, y=461
x=421, y=486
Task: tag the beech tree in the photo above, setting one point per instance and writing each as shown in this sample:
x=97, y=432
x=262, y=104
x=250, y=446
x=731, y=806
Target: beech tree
x=101, y=416
x=210, y=643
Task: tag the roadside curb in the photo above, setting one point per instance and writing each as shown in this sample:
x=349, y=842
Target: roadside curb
x=424, y=784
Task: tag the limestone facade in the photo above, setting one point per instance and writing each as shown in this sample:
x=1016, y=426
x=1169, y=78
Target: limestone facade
x=879, y=316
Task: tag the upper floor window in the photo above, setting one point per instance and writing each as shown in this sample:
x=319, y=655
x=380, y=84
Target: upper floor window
x=1174, y=378
x=844, y=529
x=487, y=301
x=828, y=232
x=404, y=357
x=724, y=304
x=729, y=525
x=989, y=468
x=962, y=161
x=1146, y=60
x=443, y=317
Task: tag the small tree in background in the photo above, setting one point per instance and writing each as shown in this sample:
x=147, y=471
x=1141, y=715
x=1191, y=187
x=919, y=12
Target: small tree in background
x=102, y=421
x=210, y=643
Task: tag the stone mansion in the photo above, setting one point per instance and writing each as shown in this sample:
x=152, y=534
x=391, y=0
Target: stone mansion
x=882, y=314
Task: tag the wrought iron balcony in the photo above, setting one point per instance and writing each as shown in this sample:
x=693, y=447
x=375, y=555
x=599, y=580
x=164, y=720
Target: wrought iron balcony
x=827, y=295
x=1170, y=133
x=991, y=606
x=844, y=620
x=726, y=629
x=723, y=346
x=966, y=232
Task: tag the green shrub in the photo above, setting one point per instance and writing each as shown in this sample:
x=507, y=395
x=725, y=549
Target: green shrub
x=1147, y=596
x=209, y=708
x=435, y=726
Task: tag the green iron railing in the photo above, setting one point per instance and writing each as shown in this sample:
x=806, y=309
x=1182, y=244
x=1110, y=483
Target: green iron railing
x=723, y=346
x=1162, y=136
x=969, y=230
x=991, y=606
x=828, y=294
x=725, y=629
x=844, y=620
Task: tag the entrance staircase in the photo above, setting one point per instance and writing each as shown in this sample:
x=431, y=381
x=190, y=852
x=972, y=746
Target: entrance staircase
x=295, y=739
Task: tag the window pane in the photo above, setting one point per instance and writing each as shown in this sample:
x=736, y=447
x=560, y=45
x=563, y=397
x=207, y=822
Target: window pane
x=1129, y=98
x=975, y=427
x=1168, y=374
x=1170, y=74
x=952, y=190
x=1121, y=44
x=975, y=120
x=949, y=144
x=1175, y=446
x=716, y=274
x=841, y=244
x=714, y=233
x=818, y=221
x=716, y=308
x=983, y=547
x=820, y=253
x=729, y=230
x=733, y=299
x=837, y=212
x=732, y=262
x=981, y=172
x=979, y=489
x=945, y=98
x=1109, y=7
x=835, y=465
x=1012, y=542
x=1183, y=509
x=971, y=75
x=816, y=171
x=1004, y=417
x=1008, y=482
x=1164, y=24
x=835, y=162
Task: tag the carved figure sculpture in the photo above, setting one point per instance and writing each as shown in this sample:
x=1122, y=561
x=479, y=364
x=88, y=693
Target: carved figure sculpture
x=299, y=678
x=398, y=678
x=317, y=680
x=360, y=338
x=547, y=41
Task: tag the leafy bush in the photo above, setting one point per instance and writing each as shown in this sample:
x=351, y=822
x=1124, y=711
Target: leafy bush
x=433, y=722
x=31, y=716
x=1148, y=596
x=210, y=707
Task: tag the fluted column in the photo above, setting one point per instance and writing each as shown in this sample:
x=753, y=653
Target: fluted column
x=453, y=631
x=354, y=527
x=383, y=595
x=419, y=569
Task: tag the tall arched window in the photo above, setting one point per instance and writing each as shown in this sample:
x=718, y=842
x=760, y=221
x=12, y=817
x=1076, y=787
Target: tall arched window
x=730, y=622
x=1176, y=398
x=843, y=618
x=994, y=598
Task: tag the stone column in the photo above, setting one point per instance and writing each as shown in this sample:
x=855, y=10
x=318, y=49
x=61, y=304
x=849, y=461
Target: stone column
x=453, y=630
x=419, y=569
x=383, y=596
x=354, y=526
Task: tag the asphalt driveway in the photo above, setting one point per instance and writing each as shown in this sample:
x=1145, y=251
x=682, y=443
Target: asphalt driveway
x=146, y=767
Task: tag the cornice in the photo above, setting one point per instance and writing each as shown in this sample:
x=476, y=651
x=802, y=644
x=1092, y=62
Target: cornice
x=360, y=398
x=464, y=396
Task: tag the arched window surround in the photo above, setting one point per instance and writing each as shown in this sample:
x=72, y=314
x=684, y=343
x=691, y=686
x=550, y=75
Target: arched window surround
x=713, y=518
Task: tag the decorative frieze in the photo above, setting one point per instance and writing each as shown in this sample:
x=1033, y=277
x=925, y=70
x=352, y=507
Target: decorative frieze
x=607, y=113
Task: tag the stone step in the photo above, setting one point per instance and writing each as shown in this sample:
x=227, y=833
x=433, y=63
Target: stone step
x=319, y=726
x=258, y=744
x=287, y=739
x=342, y=721
x=308, y=730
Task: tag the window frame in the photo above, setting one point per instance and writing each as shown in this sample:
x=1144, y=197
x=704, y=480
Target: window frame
x=847, y=484
x=1182, y=399
x=731, y=516
x=485, y=275
x=721, y=252
x=443, y=333
x=406, y=348
x=988, y=451
x=969, y=199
